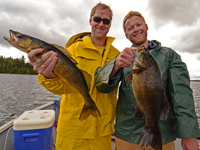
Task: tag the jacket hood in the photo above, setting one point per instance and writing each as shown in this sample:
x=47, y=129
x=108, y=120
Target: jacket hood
x=75, y=37
x=81, y=35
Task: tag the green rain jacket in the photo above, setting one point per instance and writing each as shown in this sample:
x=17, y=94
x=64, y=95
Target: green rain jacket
x=182, y=120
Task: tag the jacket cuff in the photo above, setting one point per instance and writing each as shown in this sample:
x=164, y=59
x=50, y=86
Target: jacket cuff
x=102, y=81
x=43, y=78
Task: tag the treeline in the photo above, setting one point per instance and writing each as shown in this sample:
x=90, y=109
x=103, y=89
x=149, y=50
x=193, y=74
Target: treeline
x=15, y=66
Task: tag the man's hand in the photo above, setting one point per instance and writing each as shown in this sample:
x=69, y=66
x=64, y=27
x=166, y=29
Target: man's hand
x=43, y=65
x=190, y=144
x=124, y=59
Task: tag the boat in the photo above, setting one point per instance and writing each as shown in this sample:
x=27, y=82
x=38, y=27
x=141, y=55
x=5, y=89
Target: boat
x=6, y=131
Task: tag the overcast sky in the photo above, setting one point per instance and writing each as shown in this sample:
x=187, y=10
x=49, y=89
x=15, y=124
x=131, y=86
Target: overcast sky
x=175, y=23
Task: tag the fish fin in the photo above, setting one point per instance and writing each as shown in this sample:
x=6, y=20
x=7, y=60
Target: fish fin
x=151, y=136
x=164, y=110
x=74, y=61
x=138, y=113
x=95, y=111
x=69, y=90
x=86, y=111
x=129, y=78
x=89, y=110
x=66, y=52
x=136, y=71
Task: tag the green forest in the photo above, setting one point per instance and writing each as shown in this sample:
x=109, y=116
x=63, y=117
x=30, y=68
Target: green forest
x=15, y=66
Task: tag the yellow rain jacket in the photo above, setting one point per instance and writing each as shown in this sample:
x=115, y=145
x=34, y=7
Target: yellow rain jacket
x=88, y=59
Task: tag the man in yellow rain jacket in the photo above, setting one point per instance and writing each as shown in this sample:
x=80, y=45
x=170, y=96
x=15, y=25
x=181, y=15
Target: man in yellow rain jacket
x=90, y=50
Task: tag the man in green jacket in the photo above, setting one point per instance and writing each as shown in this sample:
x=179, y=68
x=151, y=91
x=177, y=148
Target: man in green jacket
x=181, y=121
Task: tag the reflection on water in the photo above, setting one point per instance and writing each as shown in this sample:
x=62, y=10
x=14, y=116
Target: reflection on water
x=19, y=93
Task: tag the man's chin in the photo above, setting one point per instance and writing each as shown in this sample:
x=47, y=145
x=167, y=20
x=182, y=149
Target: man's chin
x=101, y=35
x=138, y=42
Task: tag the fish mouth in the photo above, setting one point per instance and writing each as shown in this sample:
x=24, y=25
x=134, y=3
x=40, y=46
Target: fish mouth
x=133, y=50
x=139, y=49
x=13, y=40
x=5, y=38
x=12, y=37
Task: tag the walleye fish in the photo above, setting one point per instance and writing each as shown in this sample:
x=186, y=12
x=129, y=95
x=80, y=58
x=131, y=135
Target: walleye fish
x=65, y=68
x=148, y=89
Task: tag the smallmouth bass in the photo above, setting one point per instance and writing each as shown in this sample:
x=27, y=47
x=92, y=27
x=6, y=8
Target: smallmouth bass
x=149, y=91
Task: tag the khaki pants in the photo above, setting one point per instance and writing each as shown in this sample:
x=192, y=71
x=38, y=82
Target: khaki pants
x=124, y=145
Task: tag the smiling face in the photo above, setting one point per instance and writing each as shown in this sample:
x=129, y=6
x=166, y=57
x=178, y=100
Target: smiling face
x=136, y=31
x=100, y=30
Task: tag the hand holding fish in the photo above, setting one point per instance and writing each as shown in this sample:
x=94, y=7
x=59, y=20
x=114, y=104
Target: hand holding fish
x=45, y=63
x=124, y=59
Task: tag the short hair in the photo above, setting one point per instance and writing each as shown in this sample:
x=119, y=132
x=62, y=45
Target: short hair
x=131, y=14
x=101, y=6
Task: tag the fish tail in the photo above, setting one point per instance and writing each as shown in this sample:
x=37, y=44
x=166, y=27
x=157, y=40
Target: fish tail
x=89, y=110
x=95, y=111
x=151, y=136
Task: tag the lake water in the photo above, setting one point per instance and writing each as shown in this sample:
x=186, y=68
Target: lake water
x=19, y=93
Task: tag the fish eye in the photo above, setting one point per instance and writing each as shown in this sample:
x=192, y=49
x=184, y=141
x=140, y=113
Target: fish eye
x=19, y=35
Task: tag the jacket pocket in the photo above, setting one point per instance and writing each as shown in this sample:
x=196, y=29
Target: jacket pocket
x=87, y=68
x=75, y=99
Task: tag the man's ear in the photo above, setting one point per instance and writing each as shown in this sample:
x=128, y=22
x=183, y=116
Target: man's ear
x=90, y=20
x=147, y=27
x=126, y=35
x=110, y=24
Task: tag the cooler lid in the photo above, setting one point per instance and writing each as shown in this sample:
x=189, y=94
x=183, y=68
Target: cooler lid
x=34, y=119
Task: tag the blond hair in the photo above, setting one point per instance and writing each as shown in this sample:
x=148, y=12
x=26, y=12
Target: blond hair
x=101, y=6
x=131, y=14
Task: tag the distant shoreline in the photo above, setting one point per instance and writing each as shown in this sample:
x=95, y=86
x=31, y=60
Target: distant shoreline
x=195, y=80
x=192, y=80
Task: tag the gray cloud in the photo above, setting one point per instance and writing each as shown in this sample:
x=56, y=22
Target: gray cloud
x=56, y=21
x=52, y=21
x=188, y=41
x=180, y=12
x=183, y=14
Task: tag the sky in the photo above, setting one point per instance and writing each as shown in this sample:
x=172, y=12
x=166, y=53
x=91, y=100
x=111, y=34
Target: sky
x=174, y=23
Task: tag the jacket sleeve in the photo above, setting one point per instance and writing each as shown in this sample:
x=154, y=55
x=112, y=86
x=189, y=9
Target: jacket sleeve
x=102, y=82
x=182, y=99
x=55, y=85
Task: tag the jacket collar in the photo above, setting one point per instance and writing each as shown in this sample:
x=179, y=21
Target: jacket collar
x=88, y=43
x=152, y=45
x=75, y=37
x=156, y=48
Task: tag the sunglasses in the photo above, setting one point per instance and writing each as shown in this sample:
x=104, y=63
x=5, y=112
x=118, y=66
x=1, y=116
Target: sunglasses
x=98, y=19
